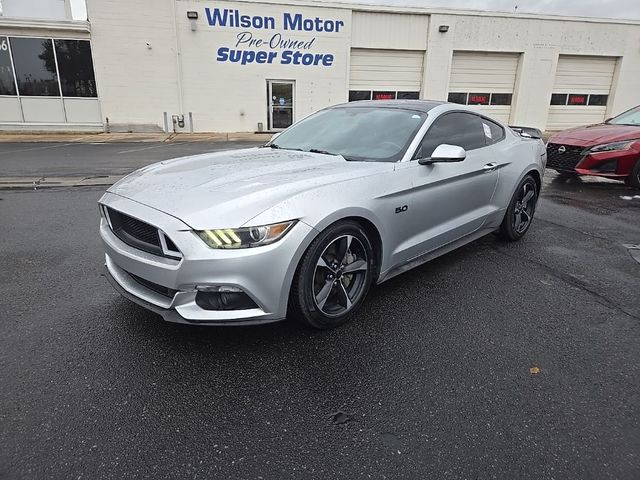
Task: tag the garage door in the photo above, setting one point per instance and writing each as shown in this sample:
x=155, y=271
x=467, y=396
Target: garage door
x=580, y=91
x=484, y=79
x=385, y=74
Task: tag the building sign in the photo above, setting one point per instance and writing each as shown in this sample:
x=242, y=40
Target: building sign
x=264, y=39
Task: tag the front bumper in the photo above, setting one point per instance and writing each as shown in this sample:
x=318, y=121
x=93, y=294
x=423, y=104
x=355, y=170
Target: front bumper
x=578, y=159
x=263, y=273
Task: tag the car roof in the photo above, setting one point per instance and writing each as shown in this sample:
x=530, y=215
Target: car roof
x=418, y=105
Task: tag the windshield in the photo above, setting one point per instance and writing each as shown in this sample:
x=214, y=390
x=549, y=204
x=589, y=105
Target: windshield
x=357, y=133
x=630, y=117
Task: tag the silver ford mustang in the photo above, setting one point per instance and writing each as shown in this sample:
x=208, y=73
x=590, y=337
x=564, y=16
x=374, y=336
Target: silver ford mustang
x=301, y=227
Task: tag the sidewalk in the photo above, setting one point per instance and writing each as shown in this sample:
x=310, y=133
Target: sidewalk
x=28, y=137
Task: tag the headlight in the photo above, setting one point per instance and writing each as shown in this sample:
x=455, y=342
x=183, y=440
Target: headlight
x=611, y=147
x=245, y=237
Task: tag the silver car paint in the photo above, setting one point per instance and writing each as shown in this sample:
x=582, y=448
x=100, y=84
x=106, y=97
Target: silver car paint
x=447, y=205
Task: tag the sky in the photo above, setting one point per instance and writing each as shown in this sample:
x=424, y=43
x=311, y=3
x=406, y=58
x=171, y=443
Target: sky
x=626, y=9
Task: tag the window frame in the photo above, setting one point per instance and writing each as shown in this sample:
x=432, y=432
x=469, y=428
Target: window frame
x=449, y=112
x=395, y=93
x=93, y=66
x=16, y=93
x=53, y=41
x=56, y=77
x=606, y=100
x=489, y=103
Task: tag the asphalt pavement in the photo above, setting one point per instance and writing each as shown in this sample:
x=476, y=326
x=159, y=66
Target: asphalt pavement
x=495, y=361
x=62, y=159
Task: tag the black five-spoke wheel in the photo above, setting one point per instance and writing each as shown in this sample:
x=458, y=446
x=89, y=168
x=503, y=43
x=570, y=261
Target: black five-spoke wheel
x=333, y=276
x=522, y=207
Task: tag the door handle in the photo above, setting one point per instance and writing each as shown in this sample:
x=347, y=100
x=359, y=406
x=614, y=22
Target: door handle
x=490, y=167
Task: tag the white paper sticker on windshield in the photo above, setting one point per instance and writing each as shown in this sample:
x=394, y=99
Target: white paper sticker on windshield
x=487, y=130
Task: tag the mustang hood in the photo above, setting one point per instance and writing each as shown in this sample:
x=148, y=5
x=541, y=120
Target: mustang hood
x=596, y=134
x=227, y=189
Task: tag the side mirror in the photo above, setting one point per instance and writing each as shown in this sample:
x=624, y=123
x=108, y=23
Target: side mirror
x=445, y=153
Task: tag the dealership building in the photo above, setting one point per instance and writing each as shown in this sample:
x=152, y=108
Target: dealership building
x=244, y=66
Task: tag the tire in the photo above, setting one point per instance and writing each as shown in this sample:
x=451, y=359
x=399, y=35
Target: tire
x=333, y=276
x=633, y=180
x=512, y=228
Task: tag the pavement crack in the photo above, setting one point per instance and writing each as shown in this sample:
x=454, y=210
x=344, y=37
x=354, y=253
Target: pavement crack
x=587, y=234
x=601, y=299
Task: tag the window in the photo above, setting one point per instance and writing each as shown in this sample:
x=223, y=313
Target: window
x=493, y=132
x=462, y=129
x=76, y=68
x=7, y=85
x=630, y=117
x=455, y=97
x=408, y=95
x=35, y=66
x=598, y=100
x=478, y=99
x=384, y=95
x=501, y=98
x=355, y=95
x=577, y=99
x=558, y=99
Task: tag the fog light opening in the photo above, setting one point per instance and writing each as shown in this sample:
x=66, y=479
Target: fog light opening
x=223, y=298
x=219, y=288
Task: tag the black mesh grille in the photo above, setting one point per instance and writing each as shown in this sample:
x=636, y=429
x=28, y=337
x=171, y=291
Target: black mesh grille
x=564, y=157
x=135, y=232
x=165, y=291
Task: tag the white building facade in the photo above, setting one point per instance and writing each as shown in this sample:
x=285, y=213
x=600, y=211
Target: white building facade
x=222, y=66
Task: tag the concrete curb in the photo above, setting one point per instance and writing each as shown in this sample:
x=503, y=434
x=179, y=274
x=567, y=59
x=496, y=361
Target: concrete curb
x=36, y=183
x=13, y=137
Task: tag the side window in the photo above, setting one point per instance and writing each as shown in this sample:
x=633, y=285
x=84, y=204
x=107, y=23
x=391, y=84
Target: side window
x=462, y=129
x=492, y=131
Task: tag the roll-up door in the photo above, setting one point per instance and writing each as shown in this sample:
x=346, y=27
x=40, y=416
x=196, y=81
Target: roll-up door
x=580, y=91
x=484, y=79
x=385, y=74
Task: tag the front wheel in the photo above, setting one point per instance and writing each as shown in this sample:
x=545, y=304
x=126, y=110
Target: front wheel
x=520, y=211
x=333, y=277
x=633, y=180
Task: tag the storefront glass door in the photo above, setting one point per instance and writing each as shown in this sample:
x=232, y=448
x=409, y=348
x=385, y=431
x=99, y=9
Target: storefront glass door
x=280, y=100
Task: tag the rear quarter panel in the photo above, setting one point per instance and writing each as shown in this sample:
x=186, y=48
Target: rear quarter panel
x=517, y=158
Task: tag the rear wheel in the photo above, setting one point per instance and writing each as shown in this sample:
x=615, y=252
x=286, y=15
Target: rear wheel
x=633, y=180
x=520, y=211
x=333, y=277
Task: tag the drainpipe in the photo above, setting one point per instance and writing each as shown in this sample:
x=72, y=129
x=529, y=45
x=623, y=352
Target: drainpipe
x=174, y=23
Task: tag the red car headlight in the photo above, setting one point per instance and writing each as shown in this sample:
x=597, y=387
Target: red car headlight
x=612, y=147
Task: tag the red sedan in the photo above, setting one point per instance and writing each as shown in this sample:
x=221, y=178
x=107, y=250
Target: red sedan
x=610, y=149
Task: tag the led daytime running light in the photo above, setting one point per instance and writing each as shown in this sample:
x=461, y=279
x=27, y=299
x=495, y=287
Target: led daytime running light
x=244, y=237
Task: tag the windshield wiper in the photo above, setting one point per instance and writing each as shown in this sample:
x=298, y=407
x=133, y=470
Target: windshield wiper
x=348, y=159
x=276, y=146
x=324, y=152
